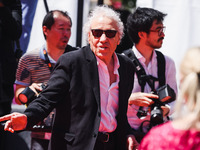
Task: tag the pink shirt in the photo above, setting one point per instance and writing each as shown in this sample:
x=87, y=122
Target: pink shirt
x=170, y=75
x=108, y=95
x=166, y=137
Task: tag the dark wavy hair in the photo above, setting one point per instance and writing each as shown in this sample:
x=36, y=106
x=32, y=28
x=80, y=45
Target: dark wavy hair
x=142, y=20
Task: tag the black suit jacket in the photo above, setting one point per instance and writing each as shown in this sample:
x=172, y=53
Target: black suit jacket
x=74, y=90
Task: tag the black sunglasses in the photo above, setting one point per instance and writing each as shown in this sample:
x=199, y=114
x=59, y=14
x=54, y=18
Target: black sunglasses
x=98, y=32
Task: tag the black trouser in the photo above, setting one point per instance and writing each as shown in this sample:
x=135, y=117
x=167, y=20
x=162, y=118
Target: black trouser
x=39, y=144
x=5, y=109
x=105, y=142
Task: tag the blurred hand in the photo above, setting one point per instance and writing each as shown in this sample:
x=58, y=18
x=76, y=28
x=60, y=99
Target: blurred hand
x=132, y=143
x=142, y=99
x=15, y=122
x=36, y=87
x=165, y=110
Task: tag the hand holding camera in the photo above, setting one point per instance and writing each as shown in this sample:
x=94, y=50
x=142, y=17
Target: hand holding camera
x=165, y=95
x=30, y=93
x=142, y=99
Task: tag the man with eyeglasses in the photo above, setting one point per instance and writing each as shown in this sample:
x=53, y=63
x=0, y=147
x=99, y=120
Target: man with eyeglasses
x=146, y=30
x=90, y=88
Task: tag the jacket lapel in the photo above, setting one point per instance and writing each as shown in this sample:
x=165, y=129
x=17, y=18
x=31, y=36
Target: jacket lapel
x=93, y=71
x=122, y=79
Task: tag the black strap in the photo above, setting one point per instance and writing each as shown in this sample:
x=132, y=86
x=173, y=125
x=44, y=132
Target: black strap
x=138, y=67
x=18, y=51
x=161, y=68
x=47, y=61
x=141, y=74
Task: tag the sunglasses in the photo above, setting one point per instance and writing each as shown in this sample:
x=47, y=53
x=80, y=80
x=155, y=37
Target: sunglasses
x=98, y=32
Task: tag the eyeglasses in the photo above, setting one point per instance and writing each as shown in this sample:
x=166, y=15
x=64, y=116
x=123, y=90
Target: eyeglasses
x=98, y=32
x=160, y=31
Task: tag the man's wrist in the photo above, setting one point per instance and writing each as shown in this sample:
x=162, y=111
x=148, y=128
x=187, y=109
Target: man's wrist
x=167, y=113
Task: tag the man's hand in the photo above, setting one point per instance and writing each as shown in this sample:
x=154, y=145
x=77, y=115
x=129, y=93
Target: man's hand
x=15, y=122
x=142, y=99
x=132, y=143
x=165, y=110
x=36, y=87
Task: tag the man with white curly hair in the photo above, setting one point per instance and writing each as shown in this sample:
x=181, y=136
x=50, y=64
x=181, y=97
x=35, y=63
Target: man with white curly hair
x=89, y=88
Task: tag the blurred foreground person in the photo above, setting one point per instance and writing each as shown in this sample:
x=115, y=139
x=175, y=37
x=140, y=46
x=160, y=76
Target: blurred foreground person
x=183, y=133
x=10, y=31
x=89, y=88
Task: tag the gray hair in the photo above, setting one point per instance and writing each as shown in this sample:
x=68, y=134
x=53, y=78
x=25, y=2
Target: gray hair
x=104, y=11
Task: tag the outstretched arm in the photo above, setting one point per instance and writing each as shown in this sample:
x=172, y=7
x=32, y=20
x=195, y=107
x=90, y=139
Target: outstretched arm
x=14, y=122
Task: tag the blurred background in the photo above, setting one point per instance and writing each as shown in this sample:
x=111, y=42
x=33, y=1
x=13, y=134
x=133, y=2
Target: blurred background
x=182, y=22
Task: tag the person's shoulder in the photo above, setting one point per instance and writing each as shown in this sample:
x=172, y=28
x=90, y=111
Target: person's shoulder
x=70, y=48
x=126, y=62
x=31, y=54
x=73, y=55
x=167, y=58
x=155, y=137
x=169, y=61
x=123, y=57
x=165, y=127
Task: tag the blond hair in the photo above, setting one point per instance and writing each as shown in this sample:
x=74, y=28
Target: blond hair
x=189, y=96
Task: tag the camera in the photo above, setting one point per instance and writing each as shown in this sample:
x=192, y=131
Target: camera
x=28, y=95
x=166, y=95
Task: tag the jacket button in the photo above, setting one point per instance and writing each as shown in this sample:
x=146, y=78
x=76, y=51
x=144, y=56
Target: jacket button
x=99, y=114
x=94, y=135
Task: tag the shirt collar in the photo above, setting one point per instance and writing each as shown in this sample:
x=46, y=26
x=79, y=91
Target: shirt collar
x=140, y=57
x=42, y=54
x=116, y=63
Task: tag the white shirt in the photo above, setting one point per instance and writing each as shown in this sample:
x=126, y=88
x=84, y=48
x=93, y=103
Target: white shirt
x=108, y=95
x=151, y=69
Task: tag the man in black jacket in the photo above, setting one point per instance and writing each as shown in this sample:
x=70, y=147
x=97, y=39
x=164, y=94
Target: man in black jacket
x=90, y=88
x=10, y=30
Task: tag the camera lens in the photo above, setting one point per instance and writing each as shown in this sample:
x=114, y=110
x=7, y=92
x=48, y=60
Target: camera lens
x=26, y=95
x=23, y=99
x=156, y=116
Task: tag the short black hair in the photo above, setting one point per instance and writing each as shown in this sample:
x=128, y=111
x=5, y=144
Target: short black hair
x=142, y=20
x=48, y=20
